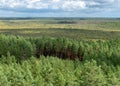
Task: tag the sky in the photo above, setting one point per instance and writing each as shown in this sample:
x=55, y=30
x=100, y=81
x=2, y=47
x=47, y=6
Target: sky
x=60, y=8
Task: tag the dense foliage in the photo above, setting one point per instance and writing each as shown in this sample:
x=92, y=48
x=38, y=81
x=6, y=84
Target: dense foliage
x=22, y=48
x=93, y=62
x=52, y=71
x=15, y=45
x=107, y=51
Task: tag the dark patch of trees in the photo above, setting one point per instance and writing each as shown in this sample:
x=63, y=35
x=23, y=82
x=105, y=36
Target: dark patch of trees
x=67, y=22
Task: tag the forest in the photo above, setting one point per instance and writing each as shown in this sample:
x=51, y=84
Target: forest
x=59, y=52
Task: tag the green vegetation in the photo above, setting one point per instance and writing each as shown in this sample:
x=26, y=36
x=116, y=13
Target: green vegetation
x=51, y=71
x=67, y=28
x=59, y=52
x=23, y=48
x=15, y=45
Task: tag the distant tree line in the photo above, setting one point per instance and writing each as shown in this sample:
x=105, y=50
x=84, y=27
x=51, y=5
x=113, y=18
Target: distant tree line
x=67, y=22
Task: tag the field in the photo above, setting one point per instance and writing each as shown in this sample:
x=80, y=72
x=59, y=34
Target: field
x=75, y=28
x=59, y=52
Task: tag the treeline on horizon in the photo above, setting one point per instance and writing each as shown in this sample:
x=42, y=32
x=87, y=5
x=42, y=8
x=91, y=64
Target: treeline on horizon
x=59, y=18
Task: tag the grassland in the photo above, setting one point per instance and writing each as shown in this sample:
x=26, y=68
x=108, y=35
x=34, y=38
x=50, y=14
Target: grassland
x=67, y=28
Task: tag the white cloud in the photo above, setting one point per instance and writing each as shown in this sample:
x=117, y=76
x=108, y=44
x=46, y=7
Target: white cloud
x=65, y=5
x=34, y=1
x=36, y=4
x=55, y=0
x=73, y=5
x=14, y=4
x=92, y=3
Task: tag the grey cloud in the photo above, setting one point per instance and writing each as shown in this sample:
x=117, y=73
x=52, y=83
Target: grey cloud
x=57, y=6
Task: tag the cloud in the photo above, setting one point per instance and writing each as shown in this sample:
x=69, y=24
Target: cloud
x=55, y=0
x=33, y=1
x=73, y=5
x=59, y=5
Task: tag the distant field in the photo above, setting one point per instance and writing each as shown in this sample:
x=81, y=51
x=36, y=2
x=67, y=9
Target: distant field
x=70, y=28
